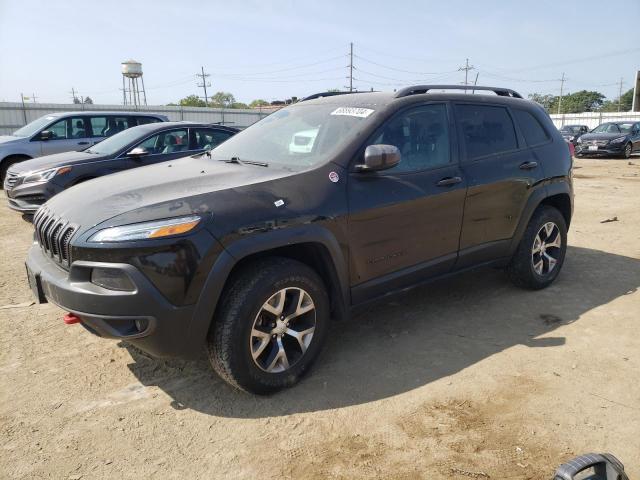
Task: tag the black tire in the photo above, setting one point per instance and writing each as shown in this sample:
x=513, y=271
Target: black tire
x=229, y=343
x=521, y=270
x=626, y=153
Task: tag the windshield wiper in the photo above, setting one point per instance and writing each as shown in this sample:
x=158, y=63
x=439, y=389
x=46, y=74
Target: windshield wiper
x=245, y=162
x=206, y=152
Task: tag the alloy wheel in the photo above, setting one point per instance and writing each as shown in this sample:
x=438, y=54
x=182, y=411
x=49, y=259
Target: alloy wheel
x=283, y=330
x=546, y=249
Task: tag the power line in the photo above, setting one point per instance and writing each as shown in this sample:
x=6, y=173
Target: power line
x=366, y=60
x=204, y=84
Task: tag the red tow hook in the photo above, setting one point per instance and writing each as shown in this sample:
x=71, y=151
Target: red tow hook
x=70, y=319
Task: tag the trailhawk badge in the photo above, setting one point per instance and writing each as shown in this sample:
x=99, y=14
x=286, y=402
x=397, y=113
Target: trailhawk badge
x=334, y=177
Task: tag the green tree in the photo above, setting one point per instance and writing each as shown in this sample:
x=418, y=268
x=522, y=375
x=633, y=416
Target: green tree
x=222, y=99
x=546, y=100
x=258, y=103
x=192, y=101
x=578, y=102
x=239, y=105
x=626, y=102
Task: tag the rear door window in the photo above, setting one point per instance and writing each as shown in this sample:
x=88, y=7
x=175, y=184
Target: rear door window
x=203, y=138
x=99, y=126
x=534, y=133
x=145, y=120
x=486, y=130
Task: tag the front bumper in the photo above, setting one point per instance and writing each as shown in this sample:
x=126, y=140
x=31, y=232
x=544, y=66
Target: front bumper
x=603, y=150
x=142, y=317
x=27, y=198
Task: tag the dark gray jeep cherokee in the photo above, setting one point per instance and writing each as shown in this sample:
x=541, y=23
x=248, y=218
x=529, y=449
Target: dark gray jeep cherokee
x=317, y=209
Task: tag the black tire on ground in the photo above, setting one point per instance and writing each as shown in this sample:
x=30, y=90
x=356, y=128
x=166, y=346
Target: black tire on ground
x=229, y=343
x=626, y=153
x=521, y=270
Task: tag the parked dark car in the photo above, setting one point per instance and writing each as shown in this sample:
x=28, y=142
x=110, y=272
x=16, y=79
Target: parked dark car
x=31, y=183
x=610, y=139
x=252, y=251
x=66, y=132
x=572, y=133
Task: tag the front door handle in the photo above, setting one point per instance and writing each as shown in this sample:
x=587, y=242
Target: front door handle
x=448, y=181
x=528, y=165
x=83, y=143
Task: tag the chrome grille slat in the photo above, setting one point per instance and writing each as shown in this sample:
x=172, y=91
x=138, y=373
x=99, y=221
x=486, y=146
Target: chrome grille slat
x=54, y=234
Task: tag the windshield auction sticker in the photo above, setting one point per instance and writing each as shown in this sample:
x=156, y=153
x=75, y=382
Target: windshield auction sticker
x=353, y=112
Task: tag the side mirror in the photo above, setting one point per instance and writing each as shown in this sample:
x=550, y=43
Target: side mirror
x=46, y=135
x=379, y=157
x=138, y=152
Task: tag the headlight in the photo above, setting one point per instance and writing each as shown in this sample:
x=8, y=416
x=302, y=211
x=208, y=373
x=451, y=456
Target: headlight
x=579, y=140
x=43, y=175
x=571, y=139
x=618, y=140
x=147, y=230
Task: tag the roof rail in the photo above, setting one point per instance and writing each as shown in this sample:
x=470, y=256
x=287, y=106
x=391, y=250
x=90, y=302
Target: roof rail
x=418, y=89
x=327, y=94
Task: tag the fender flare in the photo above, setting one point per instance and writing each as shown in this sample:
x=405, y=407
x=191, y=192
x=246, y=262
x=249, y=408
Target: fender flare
x=240, y=249
x=535, y=199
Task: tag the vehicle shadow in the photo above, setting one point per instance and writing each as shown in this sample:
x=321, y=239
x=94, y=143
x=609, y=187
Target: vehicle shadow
x=412, y=339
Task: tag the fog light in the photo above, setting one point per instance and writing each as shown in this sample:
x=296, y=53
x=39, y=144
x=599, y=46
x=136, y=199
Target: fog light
x=112, y=279
x=141, y=324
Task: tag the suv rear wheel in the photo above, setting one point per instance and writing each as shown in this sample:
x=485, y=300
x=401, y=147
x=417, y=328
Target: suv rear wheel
x=271, y=325
x=540, y=254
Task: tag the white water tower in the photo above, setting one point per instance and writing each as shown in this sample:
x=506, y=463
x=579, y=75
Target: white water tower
x=131, y=73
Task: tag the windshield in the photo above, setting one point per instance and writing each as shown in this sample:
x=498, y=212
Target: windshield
x=298, y=136
x=34, y=127
x=570, y=129
x=113, y=144
x=612, y=128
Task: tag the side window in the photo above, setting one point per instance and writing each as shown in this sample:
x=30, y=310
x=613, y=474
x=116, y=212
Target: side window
x=73, y=127
x=115, y=125
x=145, y=120
x=534, y=133
x=422, y=136
x=202, y=138
x=486, y=130
x=99, y=126
x=166, y=142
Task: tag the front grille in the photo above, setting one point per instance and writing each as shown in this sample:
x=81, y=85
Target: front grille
x=600, y=143
x=54, y=234
x=10, y=180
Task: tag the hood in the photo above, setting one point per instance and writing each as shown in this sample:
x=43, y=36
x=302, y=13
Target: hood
x=169, y=189
x=10, y=139
x=55, y=160
x=601, y=136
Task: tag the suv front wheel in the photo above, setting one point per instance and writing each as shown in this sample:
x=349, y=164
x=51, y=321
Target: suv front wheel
x=270, y=326
x=540, y=254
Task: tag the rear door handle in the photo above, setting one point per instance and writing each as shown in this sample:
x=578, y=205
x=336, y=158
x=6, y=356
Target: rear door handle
x=528, y=165
x=83, y=143
x=445, y=182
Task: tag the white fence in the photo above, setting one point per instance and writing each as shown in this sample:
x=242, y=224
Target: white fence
x=14, y=115
x=593, y=119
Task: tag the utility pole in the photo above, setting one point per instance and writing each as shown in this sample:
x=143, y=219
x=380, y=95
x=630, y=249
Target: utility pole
x=204, y=84
x=466, y=69
x=33, y=97
x=475, y=82
x=562, y=80
x=73, y=95
x=620, y=95
x=351, y=67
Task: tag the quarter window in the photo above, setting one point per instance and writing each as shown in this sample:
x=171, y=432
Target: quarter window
x=145, y=120
x=534, y=133
x=422, y=136
x=486, y=130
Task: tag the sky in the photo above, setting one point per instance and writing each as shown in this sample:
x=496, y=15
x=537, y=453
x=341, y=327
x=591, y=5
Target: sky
x=277, y=49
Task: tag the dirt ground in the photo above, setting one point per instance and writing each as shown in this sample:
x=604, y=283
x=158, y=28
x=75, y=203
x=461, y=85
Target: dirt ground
x=466, y=378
